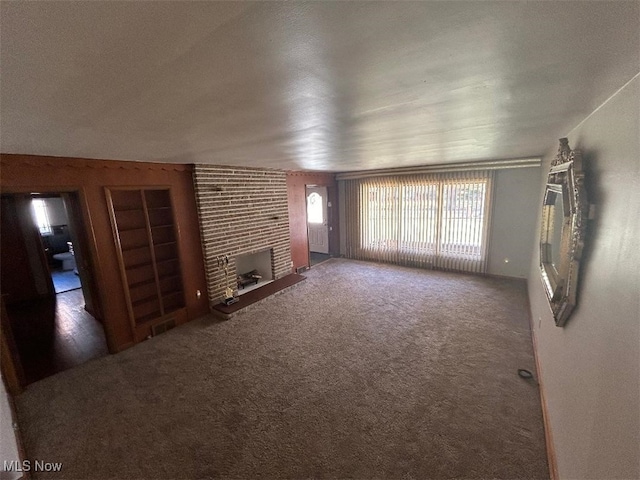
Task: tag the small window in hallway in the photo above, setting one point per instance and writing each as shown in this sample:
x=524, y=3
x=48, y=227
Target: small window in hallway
x=41, y=216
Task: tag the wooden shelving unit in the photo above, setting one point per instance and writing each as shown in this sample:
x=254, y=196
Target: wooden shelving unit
x=147, y=241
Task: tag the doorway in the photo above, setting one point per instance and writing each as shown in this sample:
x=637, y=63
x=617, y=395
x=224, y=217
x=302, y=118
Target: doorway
x=48, y=289
x=317, y=223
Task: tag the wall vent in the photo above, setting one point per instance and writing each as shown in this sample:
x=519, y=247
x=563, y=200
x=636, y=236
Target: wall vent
x=301, y=269
x=159, y=328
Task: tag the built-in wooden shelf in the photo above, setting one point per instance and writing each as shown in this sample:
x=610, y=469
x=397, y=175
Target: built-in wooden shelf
x=146, y=236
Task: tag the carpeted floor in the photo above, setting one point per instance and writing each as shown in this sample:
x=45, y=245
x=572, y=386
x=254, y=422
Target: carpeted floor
x=362, y=371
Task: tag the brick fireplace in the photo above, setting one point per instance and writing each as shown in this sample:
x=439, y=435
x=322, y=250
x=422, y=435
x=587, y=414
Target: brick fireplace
x=242, y=211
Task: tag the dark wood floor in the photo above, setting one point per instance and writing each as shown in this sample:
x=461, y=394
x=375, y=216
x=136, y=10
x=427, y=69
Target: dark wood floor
x=53, y=336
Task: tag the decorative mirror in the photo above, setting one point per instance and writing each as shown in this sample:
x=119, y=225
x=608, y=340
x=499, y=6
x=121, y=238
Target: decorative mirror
x=564, y=219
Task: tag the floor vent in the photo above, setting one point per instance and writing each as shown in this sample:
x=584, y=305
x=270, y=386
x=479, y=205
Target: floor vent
x=301, y=269
x=163, y=327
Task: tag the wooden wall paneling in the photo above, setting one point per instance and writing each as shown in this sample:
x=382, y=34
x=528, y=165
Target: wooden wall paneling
x=27, y=173
x=297, y=199
x=298, y=221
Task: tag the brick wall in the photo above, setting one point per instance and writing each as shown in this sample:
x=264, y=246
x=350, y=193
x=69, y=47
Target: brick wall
x=241, y=210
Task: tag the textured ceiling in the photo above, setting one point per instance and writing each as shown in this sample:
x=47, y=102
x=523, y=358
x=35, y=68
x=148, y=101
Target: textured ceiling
x=319, y=86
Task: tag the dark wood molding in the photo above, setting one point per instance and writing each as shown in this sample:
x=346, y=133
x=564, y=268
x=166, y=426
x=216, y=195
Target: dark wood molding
x=73, y=162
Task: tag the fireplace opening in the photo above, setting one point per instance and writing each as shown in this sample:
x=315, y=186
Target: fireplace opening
x=253, y=271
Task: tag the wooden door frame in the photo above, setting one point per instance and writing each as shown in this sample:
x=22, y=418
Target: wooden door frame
x=89, y=238
x=10, y=363
x=329, y=219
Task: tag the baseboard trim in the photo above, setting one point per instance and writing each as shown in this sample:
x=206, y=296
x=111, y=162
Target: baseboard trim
x=548, y=437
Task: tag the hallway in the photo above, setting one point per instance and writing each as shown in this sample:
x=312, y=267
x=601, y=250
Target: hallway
x=55, y=336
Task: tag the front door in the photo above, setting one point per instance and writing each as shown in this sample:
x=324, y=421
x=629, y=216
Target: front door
x=317, y=224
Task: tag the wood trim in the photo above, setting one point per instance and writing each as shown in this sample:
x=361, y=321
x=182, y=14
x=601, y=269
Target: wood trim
x=551, y=451
x=12, y=190
x=75, y=162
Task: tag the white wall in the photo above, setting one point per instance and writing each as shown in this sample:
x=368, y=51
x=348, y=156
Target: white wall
x=8, y=443
x=590, y=369
x=56, y=211
x=513, y=221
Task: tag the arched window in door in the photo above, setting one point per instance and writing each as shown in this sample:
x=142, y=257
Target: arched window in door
x=314, y=208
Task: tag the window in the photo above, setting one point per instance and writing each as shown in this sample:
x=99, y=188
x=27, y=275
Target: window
x=41, y=216
x=463, y=219
x=314, y=208
x=422, y=220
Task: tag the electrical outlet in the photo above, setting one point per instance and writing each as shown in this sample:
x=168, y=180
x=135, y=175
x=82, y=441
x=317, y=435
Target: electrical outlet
x=539, y=322
x=198, y=294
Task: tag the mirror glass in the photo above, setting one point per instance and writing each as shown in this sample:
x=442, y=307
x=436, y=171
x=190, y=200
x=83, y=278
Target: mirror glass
x=557, y=221
x=562, y=231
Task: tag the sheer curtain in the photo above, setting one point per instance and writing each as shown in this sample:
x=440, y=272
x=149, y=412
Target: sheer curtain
x=425, y=220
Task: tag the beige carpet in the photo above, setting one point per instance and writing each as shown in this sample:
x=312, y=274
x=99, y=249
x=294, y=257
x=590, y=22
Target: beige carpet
x=362, y=371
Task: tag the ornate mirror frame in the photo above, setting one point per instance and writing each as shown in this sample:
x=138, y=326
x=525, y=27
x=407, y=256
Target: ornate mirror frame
x=564, y=204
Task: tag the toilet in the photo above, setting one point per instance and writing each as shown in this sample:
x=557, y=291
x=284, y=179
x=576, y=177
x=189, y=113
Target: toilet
x=67, y=259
